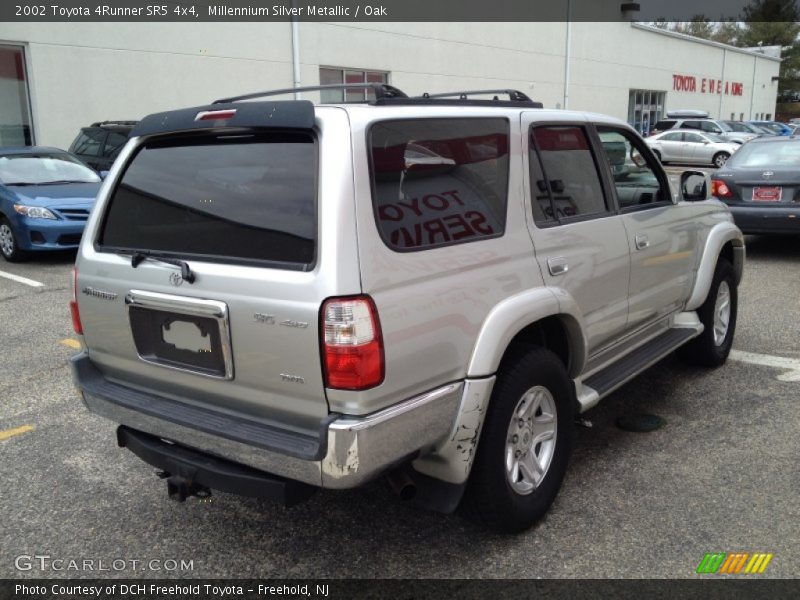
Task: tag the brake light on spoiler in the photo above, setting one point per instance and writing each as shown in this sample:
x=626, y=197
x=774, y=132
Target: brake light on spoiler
x=215, y=115
x=351, y=342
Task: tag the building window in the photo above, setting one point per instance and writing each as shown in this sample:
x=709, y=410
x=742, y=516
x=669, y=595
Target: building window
x=15, y=111
x=330, y=75
x=645, y=109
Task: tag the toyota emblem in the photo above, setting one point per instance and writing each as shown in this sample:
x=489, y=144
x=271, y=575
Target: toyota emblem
x=175, y=279
x=767, y=174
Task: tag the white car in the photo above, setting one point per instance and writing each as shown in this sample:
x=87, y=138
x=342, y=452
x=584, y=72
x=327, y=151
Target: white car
x=689, y=146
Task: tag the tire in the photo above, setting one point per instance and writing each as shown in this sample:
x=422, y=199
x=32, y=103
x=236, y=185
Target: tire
x=711, y=348
x=9, y=247
x=529, y=379
x=720, y=158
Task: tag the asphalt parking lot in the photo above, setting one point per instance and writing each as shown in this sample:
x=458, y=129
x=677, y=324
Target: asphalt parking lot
x=722, y=475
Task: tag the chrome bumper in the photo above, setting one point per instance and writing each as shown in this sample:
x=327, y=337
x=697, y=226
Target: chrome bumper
x=358, y=448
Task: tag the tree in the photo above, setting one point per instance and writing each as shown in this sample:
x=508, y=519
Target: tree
x=774, y=23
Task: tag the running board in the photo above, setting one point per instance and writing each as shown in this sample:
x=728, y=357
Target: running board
x=620, y=372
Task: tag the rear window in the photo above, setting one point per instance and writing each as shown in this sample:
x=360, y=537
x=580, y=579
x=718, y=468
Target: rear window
x=438, y=182
x=663, y=125
x=234, y=197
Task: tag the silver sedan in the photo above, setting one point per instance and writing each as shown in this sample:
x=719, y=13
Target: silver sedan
x=690, y=146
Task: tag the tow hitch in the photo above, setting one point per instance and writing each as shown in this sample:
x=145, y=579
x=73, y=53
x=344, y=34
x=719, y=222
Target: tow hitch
x=190, y=472
x=180, y=488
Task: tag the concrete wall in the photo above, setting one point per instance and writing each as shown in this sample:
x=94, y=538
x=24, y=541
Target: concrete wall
x=84, y=72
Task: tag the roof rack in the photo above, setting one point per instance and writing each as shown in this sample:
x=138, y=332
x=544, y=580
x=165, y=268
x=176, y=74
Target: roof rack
x=382, y=91
x=101, y=123
x=513, y=95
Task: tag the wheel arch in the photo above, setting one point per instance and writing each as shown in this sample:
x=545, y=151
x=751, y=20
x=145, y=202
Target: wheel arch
x=546, y=317
x=724, y=241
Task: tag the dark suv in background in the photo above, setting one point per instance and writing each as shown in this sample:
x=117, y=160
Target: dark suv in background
x=99, y=144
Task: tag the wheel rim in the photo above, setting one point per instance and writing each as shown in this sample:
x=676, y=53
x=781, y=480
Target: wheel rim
x=6, y=240
x=722, y=313
x=531, y=440
x=721, y=160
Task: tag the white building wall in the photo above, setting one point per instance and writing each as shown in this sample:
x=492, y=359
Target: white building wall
x=84, y=72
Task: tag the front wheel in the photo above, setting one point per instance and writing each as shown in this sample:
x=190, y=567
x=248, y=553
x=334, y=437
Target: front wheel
x=525, y=443
x=9, y=247
x=718, y=315
x=720, y=158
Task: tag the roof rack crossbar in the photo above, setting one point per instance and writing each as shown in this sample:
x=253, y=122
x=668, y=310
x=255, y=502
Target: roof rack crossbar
x=513, y=95
x=382, y=90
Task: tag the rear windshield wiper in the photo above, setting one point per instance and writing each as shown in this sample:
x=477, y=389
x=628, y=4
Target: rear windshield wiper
x=186, y=272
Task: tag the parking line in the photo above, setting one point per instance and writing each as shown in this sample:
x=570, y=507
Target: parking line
x=790, y=366
x=71, y=343
x=9, y=433
x=19, y=279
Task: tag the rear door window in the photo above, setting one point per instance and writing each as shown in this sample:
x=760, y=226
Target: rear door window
x=565, y=181
x=438, y=182
x=222, y=198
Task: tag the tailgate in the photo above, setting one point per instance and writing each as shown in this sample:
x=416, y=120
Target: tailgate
x=204, y=282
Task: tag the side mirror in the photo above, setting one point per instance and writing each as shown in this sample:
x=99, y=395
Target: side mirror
x=103, y=174
x=695, y=186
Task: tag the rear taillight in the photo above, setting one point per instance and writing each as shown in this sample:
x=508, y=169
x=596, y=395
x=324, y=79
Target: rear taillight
x=352, y=346
x=720, y=189
x=73, y=304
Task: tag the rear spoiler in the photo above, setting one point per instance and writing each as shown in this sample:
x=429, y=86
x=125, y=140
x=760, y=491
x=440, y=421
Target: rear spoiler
x=287, y=114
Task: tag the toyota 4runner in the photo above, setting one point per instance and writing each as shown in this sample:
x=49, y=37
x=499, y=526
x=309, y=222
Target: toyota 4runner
x=276, y=297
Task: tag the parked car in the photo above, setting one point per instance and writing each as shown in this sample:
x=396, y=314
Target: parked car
x=742, y=127
x=277, y=296
x=100, y=143
x=688, y=146
x=761, y=186
x=699, y=120
x=775, y=127
x=46, y=195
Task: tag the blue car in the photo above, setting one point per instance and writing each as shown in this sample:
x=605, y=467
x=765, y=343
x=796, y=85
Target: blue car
x=46, y=195
x=774, y=127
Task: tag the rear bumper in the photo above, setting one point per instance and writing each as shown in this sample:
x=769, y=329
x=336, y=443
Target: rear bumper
x=348, y=452
x=766, y=219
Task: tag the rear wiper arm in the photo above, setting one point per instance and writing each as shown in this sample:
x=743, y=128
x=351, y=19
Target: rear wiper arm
x=186, y=272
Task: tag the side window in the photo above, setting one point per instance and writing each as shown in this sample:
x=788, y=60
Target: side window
x=691, y=125
x=672, y=137
x=89, y=142
x=114, y=144
x=634, y=175
x=694, y=138
x=438, y=182
x=566, y=182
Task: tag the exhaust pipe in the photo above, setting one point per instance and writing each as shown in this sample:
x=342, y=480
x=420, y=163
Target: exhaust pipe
x=402, y=485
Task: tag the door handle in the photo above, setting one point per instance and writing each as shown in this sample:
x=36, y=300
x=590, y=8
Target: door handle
x=557, y=266
x=642, y=241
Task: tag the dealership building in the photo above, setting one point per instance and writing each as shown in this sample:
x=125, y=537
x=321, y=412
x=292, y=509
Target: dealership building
x=58, y=77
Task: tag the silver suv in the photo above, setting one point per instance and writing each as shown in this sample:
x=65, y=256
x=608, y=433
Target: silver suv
x=276, y=297
x=698, y=120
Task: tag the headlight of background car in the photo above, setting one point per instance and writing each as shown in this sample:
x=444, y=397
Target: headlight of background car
x=34, y=212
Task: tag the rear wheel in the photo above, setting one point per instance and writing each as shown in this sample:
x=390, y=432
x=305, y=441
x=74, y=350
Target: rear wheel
x=9, y=247
x=720, y=158
x=718, y=315
x=525, y=443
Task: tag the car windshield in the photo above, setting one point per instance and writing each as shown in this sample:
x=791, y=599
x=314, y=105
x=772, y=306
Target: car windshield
x=772, y=154
x=739, y=126
x=716, y=138
x=44, y=169
x=772, y=127
x=724, y=126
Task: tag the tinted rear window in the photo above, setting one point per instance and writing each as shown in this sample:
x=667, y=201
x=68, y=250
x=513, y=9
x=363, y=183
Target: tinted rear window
x=663, y=125
x=246, y=197
x=438, y=182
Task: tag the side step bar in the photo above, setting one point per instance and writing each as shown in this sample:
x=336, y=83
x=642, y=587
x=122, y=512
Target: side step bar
x=615, y=375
